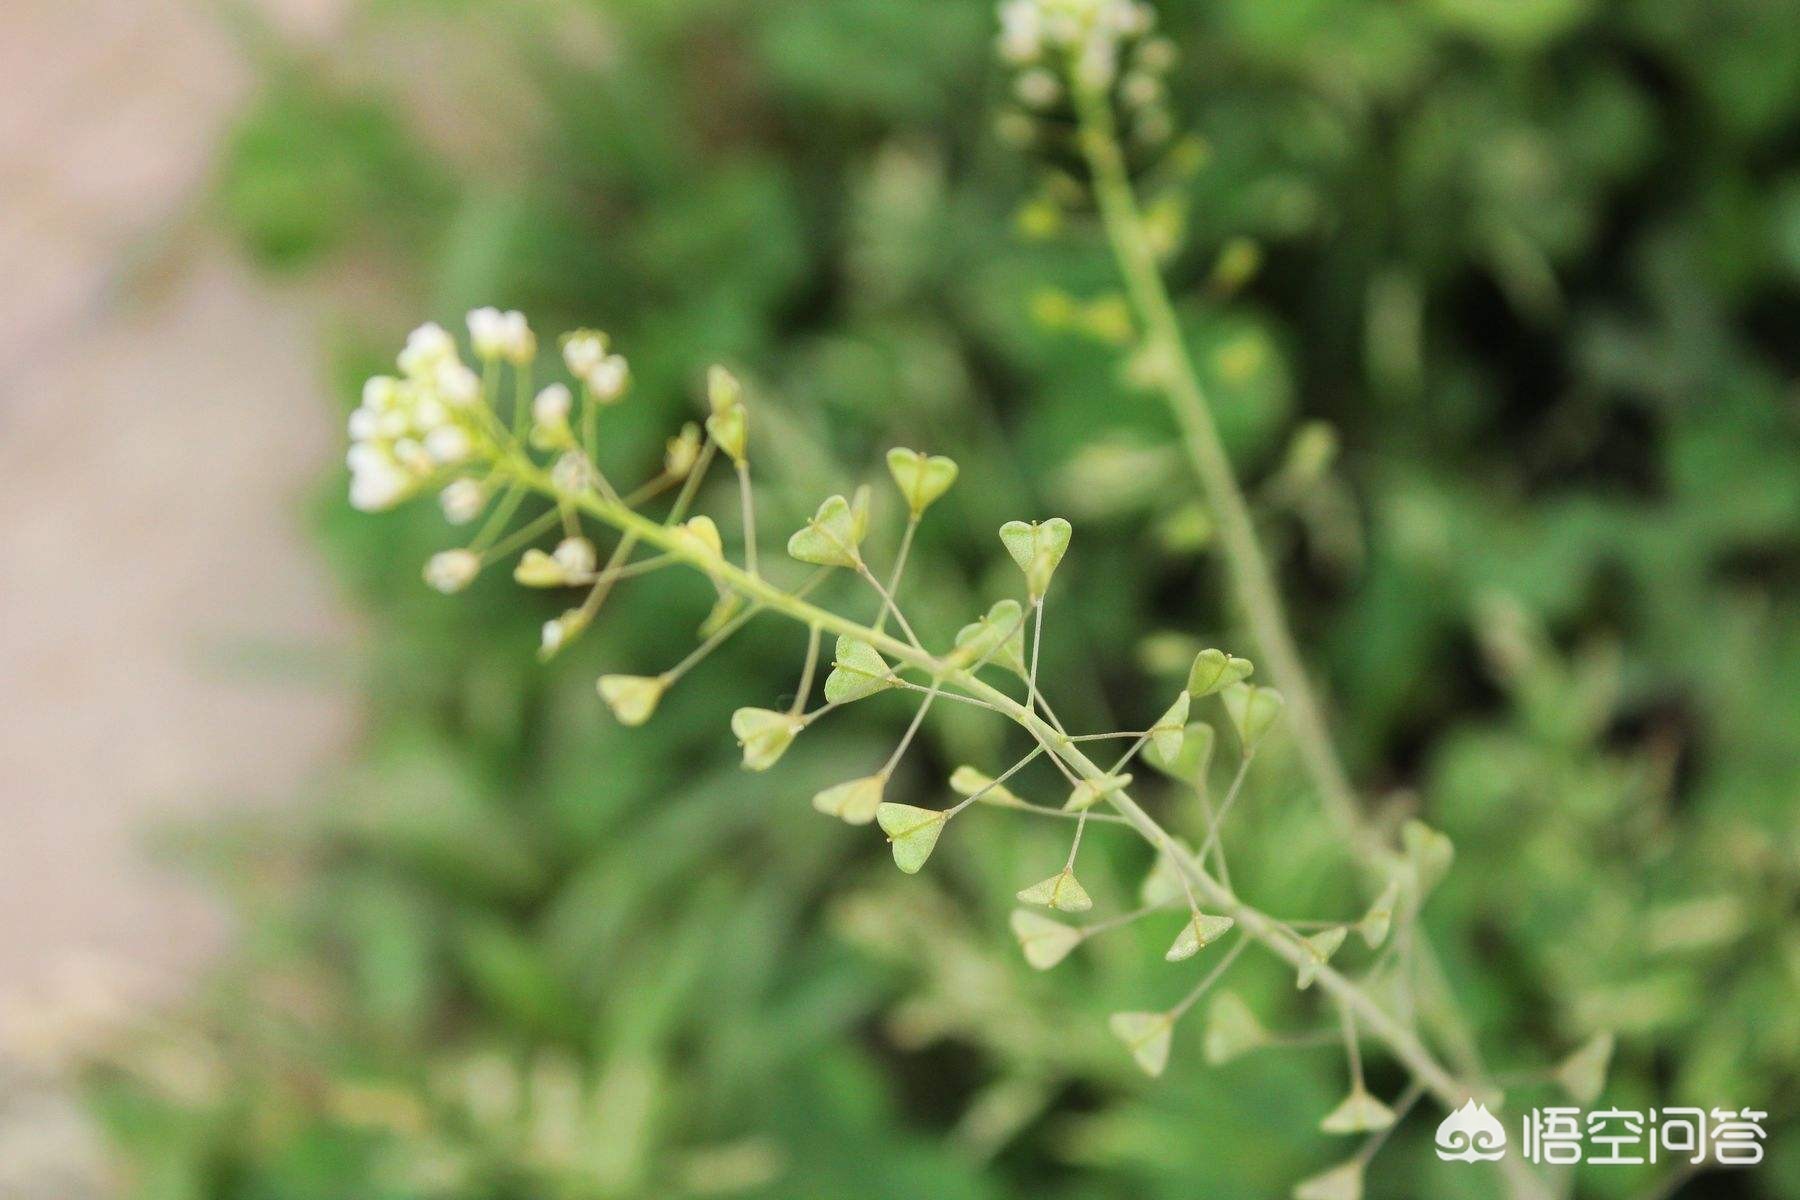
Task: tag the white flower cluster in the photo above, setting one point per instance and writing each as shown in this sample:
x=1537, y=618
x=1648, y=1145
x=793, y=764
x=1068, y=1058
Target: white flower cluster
x=1087, y=33
x=409, y=428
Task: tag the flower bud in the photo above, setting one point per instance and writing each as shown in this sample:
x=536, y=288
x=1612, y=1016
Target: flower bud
x=560, y=632
x=609, y=379
x=575, y=555
x=462, y=501
x=583, y=350
x=427, y=347
x=451, y=571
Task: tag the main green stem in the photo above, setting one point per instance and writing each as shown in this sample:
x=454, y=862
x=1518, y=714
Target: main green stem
x=1251, y=577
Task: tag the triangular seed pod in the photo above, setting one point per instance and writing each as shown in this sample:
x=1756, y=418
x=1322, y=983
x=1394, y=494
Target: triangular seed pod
x=1043, y=941
x=1252, y=711
x=1359, y=1113
x=632, y=698
x=1147, y=1036
x=764, y=735
x=1062, y=891
x=829, y=539
x=913, y=833
x=1232, y=1030
x=1342, y=1182
x=854, y=802
x=1197, y=932
x=921, y=480
x=1583, y=1073
x=1037, y=548
x=1215, y=670
x=1170, y=730
x=857, y=670
x=1319, y=949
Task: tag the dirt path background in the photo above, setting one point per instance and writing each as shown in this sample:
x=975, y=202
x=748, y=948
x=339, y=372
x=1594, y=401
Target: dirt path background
x=157, y=428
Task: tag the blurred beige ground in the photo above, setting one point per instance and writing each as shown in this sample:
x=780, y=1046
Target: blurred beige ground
x=159, y=418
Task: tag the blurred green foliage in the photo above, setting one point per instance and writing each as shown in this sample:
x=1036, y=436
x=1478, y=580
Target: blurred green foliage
x=1537, y=261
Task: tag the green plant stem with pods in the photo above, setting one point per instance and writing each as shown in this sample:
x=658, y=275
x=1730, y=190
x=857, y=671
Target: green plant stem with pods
x=1251, y=577
x=438, y=426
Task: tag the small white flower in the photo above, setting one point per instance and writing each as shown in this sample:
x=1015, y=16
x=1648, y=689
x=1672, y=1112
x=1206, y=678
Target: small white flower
x=519, y=344
x=462, y=501
x=1140, y=89
x=363, y=424
x=376, y=481
x=393, y=424
x=457, y=384
x=1021, y=31
x=582, y=352
x=551, y=407
x=487, y=333
x=413, y=456
x=1037, y=88
x=609, y=378
x=576, y=557
x=426, y=347
x=452, y=570
x=429, y=413
x=448, y=444
x=380, y=392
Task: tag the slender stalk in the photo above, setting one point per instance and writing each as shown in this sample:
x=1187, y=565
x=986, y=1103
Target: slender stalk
x=1251, y=577
x=1252, y=580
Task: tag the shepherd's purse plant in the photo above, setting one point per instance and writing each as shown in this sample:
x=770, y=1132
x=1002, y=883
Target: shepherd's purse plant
x=486, y=440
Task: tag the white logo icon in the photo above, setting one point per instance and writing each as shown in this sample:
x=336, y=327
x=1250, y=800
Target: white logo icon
x=1471, y=1134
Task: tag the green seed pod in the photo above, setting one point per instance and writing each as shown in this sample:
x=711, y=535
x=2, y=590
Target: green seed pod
x=1062, y=891
x=1215, y=670
x=1037, y=548
x=857, y=670
x=1252, y=711
x=854, y=802
x=830, y=539
x=1199, y=931
x=1146, y=1036
x=1045, y=942
x=1232, y=1030
x=632, y=698
x=764, y=735
x=912, y=833
x=999, y=638
x=921, y=480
